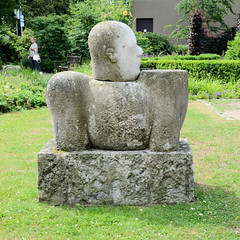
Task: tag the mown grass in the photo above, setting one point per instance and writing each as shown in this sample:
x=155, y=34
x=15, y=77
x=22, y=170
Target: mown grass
x=215, y=215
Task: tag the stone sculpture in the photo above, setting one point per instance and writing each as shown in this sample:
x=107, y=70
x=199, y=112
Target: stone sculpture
x=120, y=129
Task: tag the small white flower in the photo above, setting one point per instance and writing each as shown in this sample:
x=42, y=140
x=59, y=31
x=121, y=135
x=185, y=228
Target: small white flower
x=192, y=208
x=140, y=210
x=200, y=214
x=136, y=219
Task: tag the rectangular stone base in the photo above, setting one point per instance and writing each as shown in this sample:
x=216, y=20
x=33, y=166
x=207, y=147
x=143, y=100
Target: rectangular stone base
x=115, y=177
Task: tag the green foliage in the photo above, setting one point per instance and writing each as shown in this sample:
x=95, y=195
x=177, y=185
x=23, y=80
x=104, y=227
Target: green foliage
x=180, y=49
x=233, y=52
x=13, y=47
x=23, y=91
x=225, y=70
x=51, y=36
x=23, y=43
x=86, y=14
x=34, y=8
x=7, y=11
x=213, y=11
x=154, y=44
x=7, y=44
x=206, y=56
x=210, y=88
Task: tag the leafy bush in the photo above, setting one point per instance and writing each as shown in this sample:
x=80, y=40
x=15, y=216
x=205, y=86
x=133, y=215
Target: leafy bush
x=50, y=34
x=0, y=64
x=7, y=45
x=233, y=52
x=24, y=91
x=154, y=44
x=217, y=43
x=12, y=47
x=226, y=70
x=180, y=49
x=86, y=14
x=23, y=43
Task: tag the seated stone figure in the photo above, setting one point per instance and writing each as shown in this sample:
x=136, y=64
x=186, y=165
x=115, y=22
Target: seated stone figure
x=119, y=108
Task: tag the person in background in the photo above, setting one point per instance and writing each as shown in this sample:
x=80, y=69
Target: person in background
x=34, y=51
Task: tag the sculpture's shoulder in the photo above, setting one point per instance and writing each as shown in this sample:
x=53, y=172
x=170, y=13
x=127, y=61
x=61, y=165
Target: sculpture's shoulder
x=64, y=84
x=67, y=76
x=64, y=81
x=154, y=75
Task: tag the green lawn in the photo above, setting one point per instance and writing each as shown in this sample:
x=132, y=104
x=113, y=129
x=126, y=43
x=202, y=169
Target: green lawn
x=215, y=143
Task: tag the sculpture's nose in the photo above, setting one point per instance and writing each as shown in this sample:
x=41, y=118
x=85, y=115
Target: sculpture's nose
x=139, y=52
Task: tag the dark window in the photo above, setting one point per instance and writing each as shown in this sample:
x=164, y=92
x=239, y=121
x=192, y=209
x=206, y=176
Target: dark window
x=144, y=24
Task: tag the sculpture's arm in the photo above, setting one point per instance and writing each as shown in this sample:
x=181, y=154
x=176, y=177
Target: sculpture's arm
x=67, y=97
x=168, y=93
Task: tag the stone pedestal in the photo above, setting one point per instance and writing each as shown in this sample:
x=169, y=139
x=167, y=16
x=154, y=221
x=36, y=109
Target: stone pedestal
x=115, y=177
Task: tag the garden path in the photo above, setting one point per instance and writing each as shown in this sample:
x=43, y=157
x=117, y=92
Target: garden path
x=230, y=109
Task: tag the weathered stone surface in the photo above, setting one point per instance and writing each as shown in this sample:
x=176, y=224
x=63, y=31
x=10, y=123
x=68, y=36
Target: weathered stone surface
x=114, y=52
x=168, y=96
x=68, y=97
x=147, y=113
x=115, y=177
x=119, y=116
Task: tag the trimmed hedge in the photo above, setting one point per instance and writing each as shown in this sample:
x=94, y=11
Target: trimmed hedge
x=187, y=57
x=225, y=70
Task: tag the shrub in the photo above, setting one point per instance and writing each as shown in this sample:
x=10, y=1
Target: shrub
x=0, y=64
x=217, y=43
x=7, y=45
x=233, y=52
x=86, y=14
x=23, y=91
x=180, y=49
x=50, y=34
x=226, y=70
x=154, y=44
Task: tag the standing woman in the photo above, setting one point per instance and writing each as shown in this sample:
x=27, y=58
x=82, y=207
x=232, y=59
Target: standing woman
x=34, y=51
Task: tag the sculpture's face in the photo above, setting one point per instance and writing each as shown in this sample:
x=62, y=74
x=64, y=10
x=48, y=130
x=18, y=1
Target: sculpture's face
x=128, y=55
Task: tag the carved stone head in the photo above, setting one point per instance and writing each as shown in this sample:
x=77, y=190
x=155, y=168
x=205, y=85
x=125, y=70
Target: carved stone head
x=114, y=52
